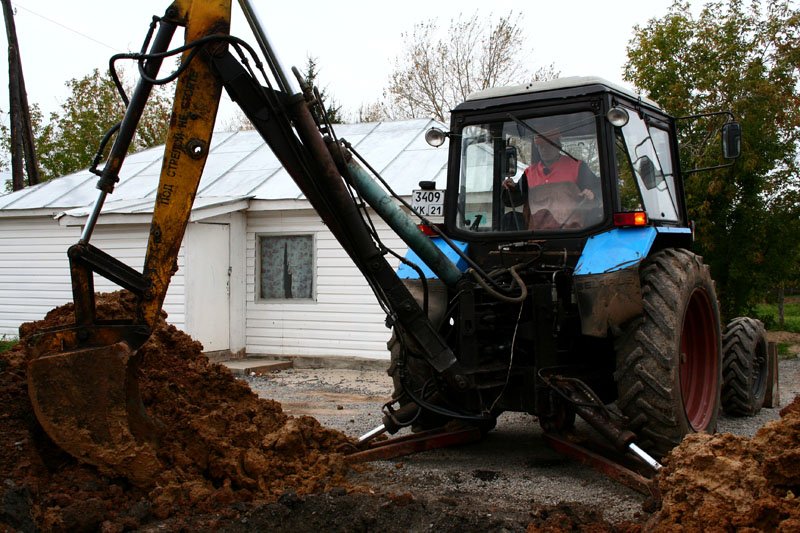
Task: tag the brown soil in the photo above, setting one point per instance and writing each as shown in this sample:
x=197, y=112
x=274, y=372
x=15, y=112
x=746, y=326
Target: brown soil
x=726, y=482
x=219, y=443
x=234, y=462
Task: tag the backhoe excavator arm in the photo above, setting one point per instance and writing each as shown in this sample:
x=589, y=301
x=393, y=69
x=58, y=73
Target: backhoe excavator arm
x=82, y=379
x=193, y=114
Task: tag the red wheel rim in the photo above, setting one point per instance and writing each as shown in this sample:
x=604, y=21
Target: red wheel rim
x=699, y=361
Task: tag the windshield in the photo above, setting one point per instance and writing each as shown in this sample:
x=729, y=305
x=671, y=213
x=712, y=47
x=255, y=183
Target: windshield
x=538, y=174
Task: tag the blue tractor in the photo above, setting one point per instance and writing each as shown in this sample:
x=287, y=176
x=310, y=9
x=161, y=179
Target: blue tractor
x=565, y=212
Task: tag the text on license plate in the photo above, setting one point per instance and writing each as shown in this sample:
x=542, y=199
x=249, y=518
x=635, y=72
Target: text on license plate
x=428, y=202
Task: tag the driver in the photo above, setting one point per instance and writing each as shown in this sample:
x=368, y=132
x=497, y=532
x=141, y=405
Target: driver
x=556, y=187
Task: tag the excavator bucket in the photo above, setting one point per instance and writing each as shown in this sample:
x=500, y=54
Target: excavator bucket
x=88, y=402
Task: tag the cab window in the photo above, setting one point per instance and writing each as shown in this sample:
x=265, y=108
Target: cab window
x=539, y=174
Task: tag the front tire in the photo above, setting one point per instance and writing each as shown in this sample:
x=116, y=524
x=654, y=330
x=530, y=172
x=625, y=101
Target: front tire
x=745, y=367
x=669, y=360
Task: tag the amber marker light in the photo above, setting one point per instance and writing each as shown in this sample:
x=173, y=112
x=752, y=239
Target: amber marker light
x=633, y=218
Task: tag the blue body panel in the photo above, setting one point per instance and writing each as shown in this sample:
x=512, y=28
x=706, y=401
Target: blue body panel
x=619, y=248
x=406, y=272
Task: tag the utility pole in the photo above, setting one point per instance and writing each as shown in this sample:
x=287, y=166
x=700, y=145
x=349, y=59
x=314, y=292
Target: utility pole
x=22, y=145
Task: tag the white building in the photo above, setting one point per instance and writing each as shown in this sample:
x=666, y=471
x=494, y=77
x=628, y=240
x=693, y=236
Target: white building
x=247, y=210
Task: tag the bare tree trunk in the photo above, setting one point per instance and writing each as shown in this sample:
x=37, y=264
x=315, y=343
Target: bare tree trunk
x=781, y=296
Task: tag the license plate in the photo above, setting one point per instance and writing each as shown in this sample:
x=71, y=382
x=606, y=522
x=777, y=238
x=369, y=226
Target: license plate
x=429, y=203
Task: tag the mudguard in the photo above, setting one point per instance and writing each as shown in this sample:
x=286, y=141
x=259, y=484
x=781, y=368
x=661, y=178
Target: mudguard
x=606, y=279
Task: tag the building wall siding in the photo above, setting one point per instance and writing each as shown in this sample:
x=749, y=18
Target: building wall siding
x=34, y=269
x=344, y=319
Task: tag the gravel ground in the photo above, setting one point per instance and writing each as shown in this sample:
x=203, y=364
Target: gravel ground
x=507, y=473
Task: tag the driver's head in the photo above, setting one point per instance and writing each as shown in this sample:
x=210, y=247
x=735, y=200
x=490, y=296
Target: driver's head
x=548, y=143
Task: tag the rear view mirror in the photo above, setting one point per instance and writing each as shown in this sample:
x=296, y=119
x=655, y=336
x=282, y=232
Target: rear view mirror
x=731, y=140
x=647, y=173
x=511, y=161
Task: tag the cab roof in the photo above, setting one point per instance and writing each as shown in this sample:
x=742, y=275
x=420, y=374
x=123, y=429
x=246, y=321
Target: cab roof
x=573, y=86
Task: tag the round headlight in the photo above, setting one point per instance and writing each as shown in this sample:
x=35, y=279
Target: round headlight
x=617, y=116
x=435, y=137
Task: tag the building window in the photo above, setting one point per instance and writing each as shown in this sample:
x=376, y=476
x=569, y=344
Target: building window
x=287, y=267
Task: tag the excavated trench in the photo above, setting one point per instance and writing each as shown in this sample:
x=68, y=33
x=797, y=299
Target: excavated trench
x=235, y=462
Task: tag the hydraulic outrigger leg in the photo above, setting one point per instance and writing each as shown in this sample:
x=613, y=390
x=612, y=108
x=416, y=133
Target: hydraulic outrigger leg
x=587, y=405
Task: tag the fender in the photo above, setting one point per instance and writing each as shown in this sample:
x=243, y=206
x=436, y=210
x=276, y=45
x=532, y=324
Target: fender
x=406, y=272
x=606, y=279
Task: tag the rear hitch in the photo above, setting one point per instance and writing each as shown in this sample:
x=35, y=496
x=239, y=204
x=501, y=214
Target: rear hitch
x=431, y=439
x=368, y=449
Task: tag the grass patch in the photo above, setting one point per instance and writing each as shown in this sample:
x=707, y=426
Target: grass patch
x=6, y=344
x=768, y=314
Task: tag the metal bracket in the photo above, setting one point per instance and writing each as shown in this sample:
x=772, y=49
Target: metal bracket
x=415, y=443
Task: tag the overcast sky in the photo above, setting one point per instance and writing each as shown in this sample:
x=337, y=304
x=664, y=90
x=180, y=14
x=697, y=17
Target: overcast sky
x=355, y=42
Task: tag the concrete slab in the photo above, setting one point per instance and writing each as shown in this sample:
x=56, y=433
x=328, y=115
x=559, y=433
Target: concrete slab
x=257, y=365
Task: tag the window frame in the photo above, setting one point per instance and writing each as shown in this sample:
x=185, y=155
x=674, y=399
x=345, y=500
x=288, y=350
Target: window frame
x=258, y=264
x=589, y=106
x=673, y=193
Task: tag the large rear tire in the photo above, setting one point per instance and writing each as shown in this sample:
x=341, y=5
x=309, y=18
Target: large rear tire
x=744, y=367
x=669, y=360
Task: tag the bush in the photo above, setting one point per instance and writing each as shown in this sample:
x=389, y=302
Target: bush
x=6, y=344
x=768, y=314
x=769, y=320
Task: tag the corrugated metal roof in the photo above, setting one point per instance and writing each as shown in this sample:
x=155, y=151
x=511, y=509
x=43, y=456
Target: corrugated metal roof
x=241, y=166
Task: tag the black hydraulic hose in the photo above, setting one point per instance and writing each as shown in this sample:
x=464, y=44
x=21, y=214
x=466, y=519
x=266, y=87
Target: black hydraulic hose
x=127, y=129
x=419, y=400
x=98, y=156
x=502, y=297
x=422, y=278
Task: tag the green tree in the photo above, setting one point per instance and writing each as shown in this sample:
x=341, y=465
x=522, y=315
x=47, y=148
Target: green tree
x=69, y=140
x=333, y=111
x=743, y=58
x=434, y=73
x=782, y=250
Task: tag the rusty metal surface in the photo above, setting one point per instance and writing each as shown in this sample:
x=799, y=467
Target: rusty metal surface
x=88, y=402
x=608, y=465
x=415, y=443
x=772, y=398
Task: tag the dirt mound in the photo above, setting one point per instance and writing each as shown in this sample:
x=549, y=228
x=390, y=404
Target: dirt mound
x=727, y=482
x=219, y=443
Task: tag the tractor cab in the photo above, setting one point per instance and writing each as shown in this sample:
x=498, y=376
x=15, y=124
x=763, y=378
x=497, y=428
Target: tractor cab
x=560, y=161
